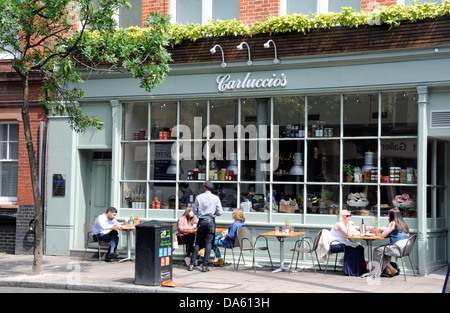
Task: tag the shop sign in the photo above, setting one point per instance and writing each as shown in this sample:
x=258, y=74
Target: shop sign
x=227, y=82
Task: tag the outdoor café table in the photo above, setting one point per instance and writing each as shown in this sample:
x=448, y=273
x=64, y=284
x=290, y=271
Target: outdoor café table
x=281, y=236
x=193, y=230
x=368, y=239
x=128, y=228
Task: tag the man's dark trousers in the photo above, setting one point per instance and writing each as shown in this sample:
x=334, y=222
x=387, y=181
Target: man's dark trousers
x=204, y=238
x=112, y=237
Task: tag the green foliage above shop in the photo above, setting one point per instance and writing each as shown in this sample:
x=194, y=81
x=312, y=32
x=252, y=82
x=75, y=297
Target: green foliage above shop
x=393, y=16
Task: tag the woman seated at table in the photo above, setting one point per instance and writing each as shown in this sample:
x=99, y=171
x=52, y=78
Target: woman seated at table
x=354, y=263
x=398, y=231
x=226, y=239
x=186, y=223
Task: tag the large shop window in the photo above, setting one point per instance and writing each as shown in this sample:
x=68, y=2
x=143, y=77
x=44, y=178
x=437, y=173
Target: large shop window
x=298, y=154
x=9, y=156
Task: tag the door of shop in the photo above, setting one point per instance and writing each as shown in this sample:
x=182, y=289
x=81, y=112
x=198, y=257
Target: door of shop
x=100, y=191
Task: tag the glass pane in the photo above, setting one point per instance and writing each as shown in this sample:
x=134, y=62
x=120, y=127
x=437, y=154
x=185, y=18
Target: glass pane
x=301, y=6
x=440, y=202
x=3, y=132
x=13, y=132
x=193, y=114
x=135, y=161
x=288, y=198
x=337, y=5
x=360, y=199
x=225, y=10
x=193, y=162
x=289, y=115
x=3, y=151
x=227, y=194
x=135, y=120
x=162, y=196
x=322, y=199
x=223, y=160
x=164, y=118
x=131, y=17
x=430, y=163
x=323, y=161
x=360, y=157
x=440, y=163
x=189, y=11
x=399, y=160
x=324, y=112
x=401, y=197
x=134, y=195
x=164, y=166
x=14, y=151
x=255, y=160
x=289, y=161
x=224, y=114
x=9, y=179
x=399, y=114
x=255, y=116
x=254, y=197
x=185, y=190
x=361, y=115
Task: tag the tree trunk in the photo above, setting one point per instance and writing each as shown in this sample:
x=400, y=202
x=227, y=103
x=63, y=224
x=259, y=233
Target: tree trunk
x=39, y=229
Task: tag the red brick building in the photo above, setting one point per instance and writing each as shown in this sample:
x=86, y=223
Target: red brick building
x=16, y=196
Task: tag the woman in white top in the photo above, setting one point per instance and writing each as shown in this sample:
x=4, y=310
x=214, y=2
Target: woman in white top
x=354, y=263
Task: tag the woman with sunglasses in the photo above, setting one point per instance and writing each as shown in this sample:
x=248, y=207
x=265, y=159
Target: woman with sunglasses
x=354, y=263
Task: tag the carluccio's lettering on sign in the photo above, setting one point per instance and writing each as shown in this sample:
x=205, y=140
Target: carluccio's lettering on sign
x=227, y=82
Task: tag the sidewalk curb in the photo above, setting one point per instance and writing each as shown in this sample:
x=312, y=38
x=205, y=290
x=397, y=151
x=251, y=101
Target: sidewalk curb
x=94, y=287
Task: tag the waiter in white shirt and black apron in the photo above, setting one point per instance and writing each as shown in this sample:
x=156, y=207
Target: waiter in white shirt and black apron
x=206, y=206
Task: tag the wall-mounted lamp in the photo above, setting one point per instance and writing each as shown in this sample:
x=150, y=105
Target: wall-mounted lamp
x=213, y=50
x=249, y=62
x=267, y=45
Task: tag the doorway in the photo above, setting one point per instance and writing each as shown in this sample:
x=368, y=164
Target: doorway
x=100, y=185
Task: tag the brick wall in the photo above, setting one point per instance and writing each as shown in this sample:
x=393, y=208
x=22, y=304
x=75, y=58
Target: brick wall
x=155, y=6
x=258, y=10
x=7, y=232
x=250, y=10
x=369, y=5
x=18, y=238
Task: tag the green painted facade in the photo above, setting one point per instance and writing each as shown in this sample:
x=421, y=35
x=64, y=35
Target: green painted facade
x=421, y=70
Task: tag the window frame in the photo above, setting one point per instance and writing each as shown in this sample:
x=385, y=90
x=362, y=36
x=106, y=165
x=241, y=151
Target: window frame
x=4, y=199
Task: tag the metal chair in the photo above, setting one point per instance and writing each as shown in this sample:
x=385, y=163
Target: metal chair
x=299, y=248
x=245, y=239
x=331, y=253
x=235, y=245
x=407, y=250
x=89, y=238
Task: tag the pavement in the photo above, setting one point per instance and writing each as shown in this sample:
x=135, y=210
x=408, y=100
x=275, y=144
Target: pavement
x=72, y=273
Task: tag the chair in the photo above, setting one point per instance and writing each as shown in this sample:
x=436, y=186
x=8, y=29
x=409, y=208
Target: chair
x=89, y=238
x=299, y=248
x=245, y=239
x=236, y=245
x=331, y=253
x=407, y=250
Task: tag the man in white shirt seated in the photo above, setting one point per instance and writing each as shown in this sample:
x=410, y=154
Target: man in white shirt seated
x=102, y=232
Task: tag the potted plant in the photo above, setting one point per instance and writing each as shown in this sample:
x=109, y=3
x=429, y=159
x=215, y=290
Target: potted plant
x=348, y=171
x=326, y=196
x=300, y=198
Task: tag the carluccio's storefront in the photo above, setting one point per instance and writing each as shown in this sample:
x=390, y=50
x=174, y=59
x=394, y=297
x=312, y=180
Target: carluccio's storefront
x=354, y=119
